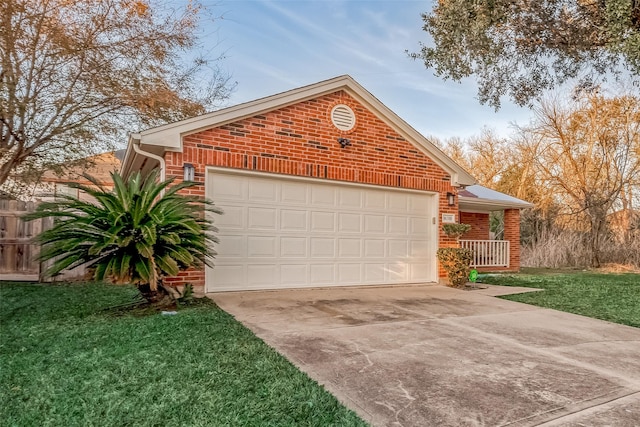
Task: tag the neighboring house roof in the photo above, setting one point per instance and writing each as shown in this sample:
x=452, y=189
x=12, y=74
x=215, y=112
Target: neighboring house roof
x=479, y=198
x=99, y=166
x=169, y=137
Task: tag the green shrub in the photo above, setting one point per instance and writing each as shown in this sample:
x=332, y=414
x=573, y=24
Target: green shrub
x=456, y=262
x=455, y=230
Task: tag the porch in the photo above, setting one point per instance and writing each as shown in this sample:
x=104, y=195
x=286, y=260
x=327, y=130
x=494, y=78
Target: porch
x=497, y=248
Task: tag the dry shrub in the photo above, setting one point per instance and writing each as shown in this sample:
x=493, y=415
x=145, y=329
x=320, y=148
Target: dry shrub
x=565, y=248
x=456, y=262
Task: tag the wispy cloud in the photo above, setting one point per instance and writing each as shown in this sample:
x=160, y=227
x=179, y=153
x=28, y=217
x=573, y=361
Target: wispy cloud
x=274, y=46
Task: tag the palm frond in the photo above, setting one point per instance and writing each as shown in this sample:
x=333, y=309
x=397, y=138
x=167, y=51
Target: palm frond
x=138, y=232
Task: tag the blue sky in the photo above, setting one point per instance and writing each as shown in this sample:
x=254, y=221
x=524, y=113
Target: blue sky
x=274, y=46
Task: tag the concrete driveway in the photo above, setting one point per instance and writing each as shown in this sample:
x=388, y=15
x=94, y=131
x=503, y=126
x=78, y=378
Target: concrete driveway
x=434, y=356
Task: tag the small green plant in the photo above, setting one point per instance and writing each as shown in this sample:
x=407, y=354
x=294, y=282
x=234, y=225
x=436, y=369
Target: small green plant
x=186, y=296
x=455, y=230
x=456, y=262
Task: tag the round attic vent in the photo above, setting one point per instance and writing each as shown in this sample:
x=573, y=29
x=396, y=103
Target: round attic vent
x=343, y=117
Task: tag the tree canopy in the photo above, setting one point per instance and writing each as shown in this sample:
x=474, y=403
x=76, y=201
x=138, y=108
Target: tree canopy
x=578, y=161
x=522, y=48
x=76, y=76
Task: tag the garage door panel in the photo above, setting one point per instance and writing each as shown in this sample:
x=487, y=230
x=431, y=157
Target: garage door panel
x=419, y=225
x=293, y=220
x=322, y=247
x=262, y=246
x=234, y=217
x=350, y=223
x=418, y=205
x=277, y=232
x=397, y=224
x=293, y=247
x=263, y=191
x=374, y=224
x=261, y=218
x=294, y=274
x=323, y=221
x=375, y=200
x=397, y=248
x=349, y=273
x=374, y=273
x=322, y=274
x=398, y=272
x=323, y=196
x=232, y=247
x=398, y=202
x=227, y=276
x=261, y=275
x=349, y=198
x=419, y=248
x=293, y=193
x=374, y=248
x=349, y=248
x=419, y=272
x=230, y=187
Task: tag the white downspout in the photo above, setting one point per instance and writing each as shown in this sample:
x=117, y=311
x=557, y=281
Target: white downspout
x=137, y=149
x=160, y=159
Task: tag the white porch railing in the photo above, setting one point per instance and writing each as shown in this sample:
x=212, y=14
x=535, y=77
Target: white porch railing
x=488, y=253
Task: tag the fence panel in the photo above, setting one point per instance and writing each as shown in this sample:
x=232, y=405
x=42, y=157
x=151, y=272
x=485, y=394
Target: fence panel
x=18, y=253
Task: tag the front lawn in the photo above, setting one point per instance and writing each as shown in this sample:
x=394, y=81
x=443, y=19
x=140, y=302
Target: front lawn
x=65, y=361
x=612, y=297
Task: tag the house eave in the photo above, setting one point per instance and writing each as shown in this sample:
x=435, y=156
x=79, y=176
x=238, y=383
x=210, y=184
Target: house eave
x=469, y=204
x=135, y=162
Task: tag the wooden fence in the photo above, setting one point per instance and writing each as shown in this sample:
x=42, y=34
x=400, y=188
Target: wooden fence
x=18, y=253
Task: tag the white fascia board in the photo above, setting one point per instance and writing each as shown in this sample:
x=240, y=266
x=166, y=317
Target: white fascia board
x=129, y=157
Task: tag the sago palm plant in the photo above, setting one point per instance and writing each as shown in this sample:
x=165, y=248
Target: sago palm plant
x=139, y=232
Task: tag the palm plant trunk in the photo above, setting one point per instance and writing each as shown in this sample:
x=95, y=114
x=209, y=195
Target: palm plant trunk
x=153, y=296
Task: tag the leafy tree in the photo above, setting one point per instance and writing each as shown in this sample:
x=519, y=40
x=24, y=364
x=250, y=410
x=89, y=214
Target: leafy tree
x=78, y=75
x=522, y=48
x=139, y=232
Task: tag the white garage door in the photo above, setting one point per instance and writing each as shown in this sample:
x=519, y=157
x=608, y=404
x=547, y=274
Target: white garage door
x=288, y=233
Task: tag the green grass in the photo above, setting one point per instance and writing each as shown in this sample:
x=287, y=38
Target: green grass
x=612, y=297
x=65, y=361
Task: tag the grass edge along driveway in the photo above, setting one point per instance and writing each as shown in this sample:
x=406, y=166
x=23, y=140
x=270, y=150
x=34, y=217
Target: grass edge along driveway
x=66, y=361
x=605, y=296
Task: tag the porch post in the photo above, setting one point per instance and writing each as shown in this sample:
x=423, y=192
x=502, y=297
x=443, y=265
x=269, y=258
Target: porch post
x=512, y=234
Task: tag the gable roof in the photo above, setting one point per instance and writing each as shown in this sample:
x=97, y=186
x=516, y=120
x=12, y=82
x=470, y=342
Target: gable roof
x=477, y=197
x=169, y=137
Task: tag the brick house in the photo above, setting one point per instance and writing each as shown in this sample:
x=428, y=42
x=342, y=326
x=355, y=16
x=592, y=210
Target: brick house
x=322, y=186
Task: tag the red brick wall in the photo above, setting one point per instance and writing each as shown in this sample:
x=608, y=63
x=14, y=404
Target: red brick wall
x=300, y=140
x=479, y=223
x=512, y=234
